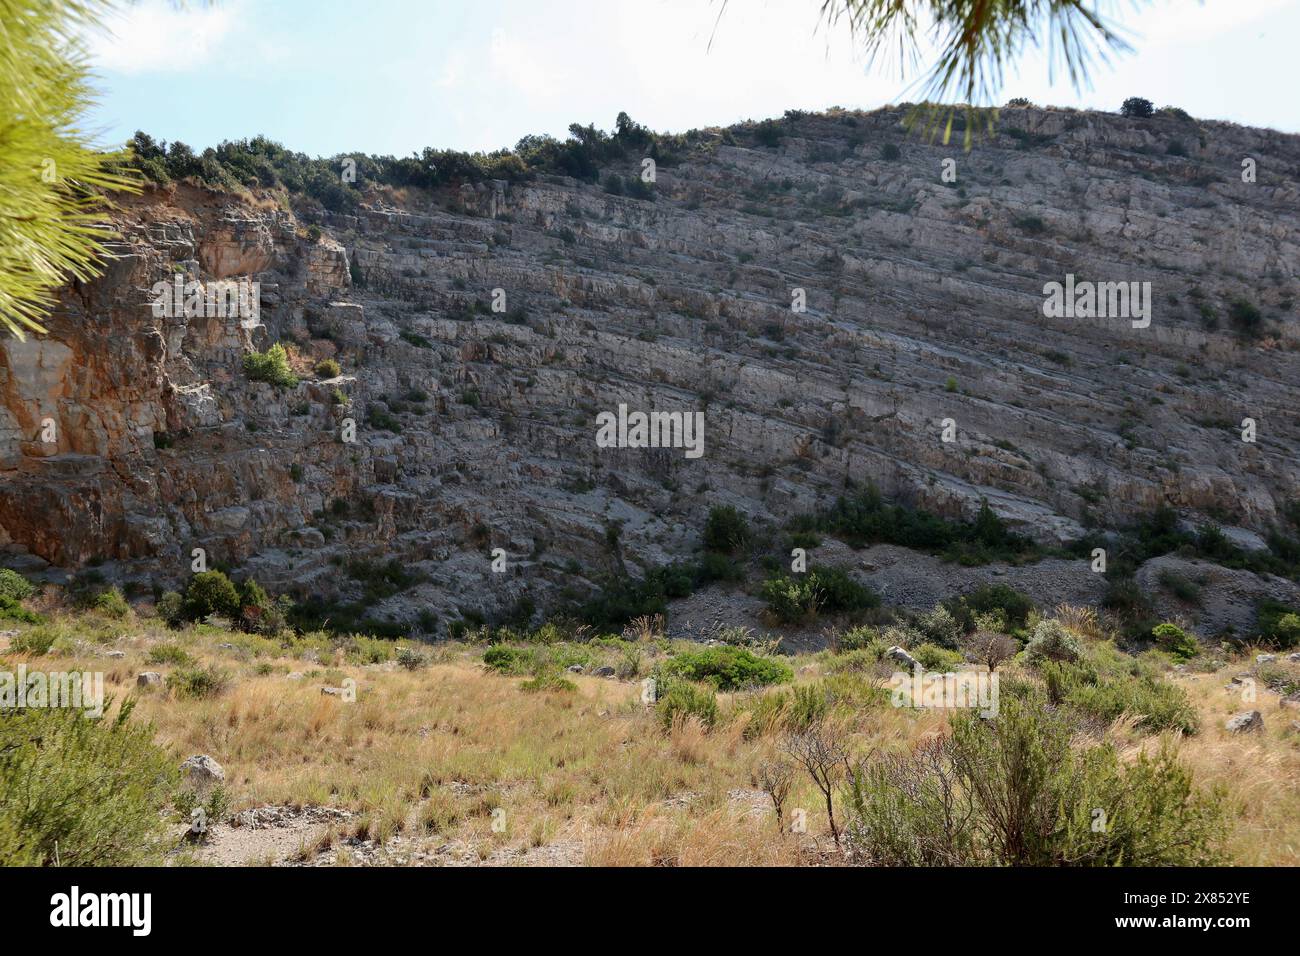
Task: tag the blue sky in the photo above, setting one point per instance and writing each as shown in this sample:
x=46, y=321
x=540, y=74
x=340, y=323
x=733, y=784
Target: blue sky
x=393, y=76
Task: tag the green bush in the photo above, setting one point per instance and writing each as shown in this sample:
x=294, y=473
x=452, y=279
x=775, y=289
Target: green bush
x=270, y=366
x=95, y=789
x=840, y=593
x=1017, y=791
x=790, y=597
x=509, y=660
x=111, y=603
x=1279, y=624
x=35, y=641
x=198, y=682
x=328, y=368
x=11, y=610
x=258, y=613
x=169, y=654
x=548, y=680
x=1109, y=696
x=1137, y=107
x=727, y=668
x=934, y=658
x=797, y=597
x=410, y=658
x=1176, y=641
x=1052, y=642
x=941, y=628
x=211, y=592
x=686, y=700
x=14, y=586
x=171, y=609
x=726, y=530
x=866, y=519
x=857, y=638
x=991, y=599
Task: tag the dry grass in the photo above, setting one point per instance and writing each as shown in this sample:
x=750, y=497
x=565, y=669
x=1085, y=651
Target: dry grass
x=431, y=753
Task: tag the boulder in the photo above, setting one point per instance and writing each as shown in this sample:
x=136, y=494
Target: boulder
x=901, y=656
x=603, y=671
x=202, y=772
x=148, y=679
x=1247, y=722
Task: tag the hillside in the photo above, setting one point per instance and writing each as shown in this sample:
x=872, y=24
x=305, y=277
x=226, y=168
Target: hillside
x=475, y=429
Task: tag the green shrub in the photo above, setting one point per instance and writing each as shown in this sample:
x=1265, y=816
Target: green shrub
x=171, y=609
x=111, y=603
x=509, y=660
x=726, y=530
x=549, y=679
x=1052, y=642
x=686, y=700
x=934, y=658
x=211, y=592
x=328, y=368
x=796, y=597
x=857, y=638
x=1279, y=624
x=258, y=613
x=941, y=628
x=410, y=658
x=1245, y=317
x=790, y=597
x=840, y=593
x=1137, y=107
x=197, y=682
x=1180, y=587
x=14, y=586
x=169, y=654
x=727, y=668
x=1107, y=697
x=1017, y=791
x=1176, y=641
x=866, y=519
x=94, y=789
x=991, y=599
x=270, y=366
x=35, y=641
x=11, y=610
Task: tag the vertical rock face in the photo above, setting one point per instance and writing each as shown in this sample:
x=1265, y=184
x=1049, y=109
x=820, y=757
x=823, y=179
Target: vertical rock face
x=494, y=323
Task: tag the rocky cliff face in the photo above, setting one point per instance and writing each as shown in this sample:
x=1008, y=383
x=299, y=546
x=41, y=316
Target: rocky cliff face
x=924, y=303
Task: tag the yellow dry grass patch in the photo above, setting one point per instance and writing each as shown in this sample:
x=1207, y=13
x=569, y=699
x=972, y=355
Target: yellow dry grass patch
x=431, y=753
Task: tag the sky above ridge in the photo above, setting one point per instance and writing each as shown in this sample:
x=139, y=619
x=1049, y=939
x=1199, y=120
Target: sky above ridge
x=393, y=76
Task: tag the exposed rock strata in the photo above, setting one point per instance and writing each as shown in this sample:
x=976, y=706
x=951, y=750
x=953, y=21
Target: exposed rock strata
x=161, y=444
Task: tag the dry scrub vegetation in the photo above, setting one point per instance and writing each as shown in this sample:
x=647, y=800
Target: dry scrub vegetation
x=443, y=758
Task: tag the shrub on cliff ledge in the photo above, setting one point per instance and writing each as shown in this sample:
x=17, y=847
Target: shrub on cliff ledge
x=726, y=530
x=328, y=368
x=270, y=366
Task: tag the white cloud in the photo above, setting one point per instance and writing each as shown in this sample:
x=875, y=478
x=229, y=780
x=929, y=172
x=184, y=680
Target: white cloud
x=155, y=36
